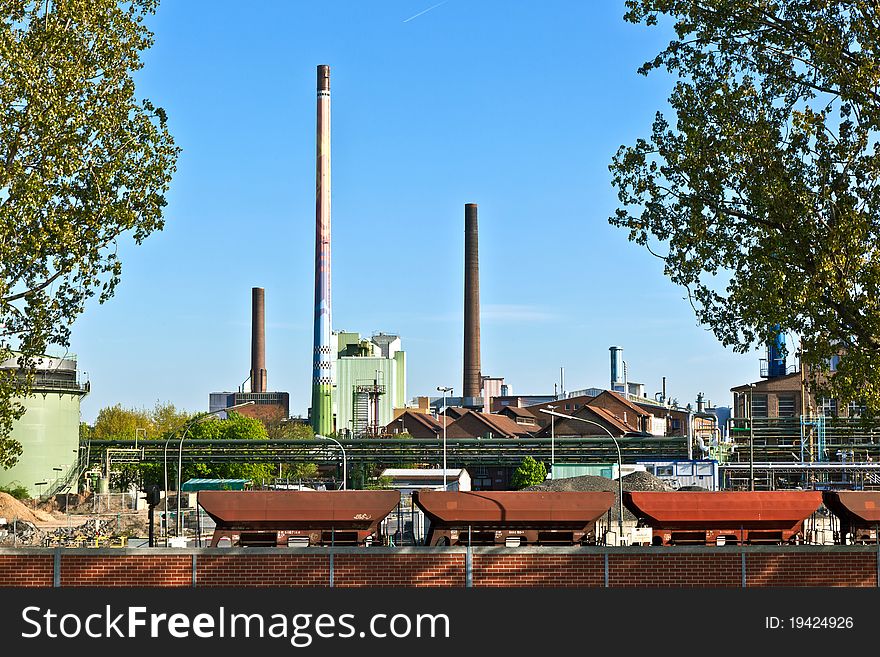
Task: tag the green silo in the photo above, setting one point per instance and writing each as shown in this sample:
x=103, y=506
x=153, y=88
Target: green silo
x=49, y=429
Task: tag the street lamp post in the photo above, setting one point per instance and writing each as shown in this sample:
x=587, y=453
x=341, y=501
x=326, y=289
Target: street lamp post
x=344, y=465
x=187, y=427
x=444, y=390
x=552, y=441
x=619, y=466
x=751, y=439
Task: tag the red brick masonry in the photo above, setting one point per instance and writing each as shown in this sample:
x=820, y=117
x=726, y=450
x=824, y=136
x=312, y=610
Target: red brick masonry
x=847, y=566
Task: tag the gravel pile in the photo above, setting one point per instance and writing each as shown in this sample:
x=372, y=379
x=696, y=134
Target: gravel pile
x=693, y=488
x=20, y=532
x=644, y=481
x=635, y=481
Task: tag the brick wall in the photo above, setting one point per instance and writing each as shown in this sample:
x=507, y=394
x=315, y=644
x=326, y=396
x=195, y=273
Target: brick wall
x=846, y=569
x=651, y=567
x=434, y=568
x=675, y=570
x=18, y=569
x=541, y=570
x=261, y=570
x=126, y=570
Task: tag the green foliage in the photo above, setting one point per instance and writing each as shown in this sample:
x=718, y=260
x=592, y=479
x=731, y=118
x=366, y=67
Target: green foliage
x=762, y=195
x=117, y=423
x=16, y=489
x=294, y=431
x=290, y=430
x=165, y=422
x=378, y=483
x=529, y=473
x=234, y=427
x=83, y=162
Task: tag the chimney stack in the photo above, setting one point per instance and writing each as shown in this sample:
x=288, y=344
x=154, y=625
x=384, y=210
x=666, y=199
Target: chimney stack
x=322, y=372
x=472, y=377
x=259, y=378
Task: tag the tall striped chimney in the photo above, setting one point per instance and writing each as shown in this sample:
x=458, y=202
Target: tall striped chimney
x=322, y=373
x=472, y=377
x=259, y=377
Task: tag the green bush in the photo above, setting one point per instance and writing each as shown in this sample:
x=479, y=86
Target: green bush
x=17, y=490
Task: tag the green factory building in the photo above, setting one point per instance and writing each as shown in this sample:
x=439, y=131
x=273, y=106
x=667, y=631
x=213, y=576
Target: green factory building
x=370, y=379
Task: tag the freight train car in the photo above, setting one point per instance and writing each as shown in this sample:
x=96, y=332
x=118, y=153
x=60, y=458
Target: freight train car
x=858, y=513
x=512, y=518
x=297, y=518
x=724, y=518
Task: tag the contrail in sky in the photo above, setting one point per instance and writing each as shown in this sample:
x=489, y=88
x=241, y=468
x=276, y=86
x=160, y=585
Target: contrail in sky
x=425, y=11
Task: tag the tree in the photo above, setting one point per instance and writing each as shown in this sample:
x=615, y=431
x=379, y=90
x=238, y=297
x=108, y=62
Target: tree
x=82, y=163
x=763, y=197
x=118, y=423
x=234, y=427
x=529, y=473
x=287, y=430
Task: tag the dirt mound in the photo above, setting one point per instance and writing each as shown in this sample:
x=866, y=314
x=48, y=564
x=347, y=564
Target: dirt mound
x=12, y=509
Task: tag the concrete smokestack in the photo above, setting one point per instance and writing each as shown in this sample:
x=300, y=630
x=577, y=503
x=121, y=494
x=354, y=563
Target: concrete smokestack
x=259, y=378
x=472, y=377
x=617, y=374
x=322, y=370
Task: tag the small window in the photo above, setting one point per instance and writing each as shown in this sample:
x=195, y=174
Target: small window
x=855, y=409
x=568, y=407
x=665, y=471
x=828, y=407
x=786, y=405
x=705, y=469
x=759, y=405
x=676, y=423
x=685, y=469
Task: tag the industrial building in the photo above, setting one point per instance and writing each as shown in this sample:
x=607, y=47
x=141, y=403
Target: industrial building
x=269, y=407
x=370, y=382
x=781, y=435
x=49, y=429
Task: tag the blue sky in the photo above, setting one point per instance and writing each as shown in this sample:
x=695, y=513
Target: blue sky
x=517, y=106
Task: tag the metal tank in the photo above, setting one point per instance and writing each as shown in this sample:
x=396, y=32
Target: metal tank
x=49, y=429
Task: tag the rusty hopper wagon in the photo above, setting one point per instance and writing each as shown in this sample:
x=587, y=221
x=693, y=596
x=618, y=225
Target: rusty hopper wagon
x=858, y=512
x=511, y=518
x=724, y=518
x=297, y=518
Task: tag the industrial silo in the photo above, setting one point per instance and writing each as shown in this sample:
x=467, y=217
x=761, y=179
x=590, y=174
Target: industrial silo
x=49, y=429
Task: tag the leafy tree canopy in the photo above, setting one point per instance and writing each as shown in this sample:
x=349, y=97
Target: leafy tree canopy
x=116, y=422
x=529, y=473
x=762, y=193
x=82, y=163
x=165, y=422
x=291, y=431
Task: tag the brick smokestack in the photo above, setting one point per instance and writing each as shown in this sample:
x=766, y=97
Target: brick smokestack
x=259, y=378
x=472, y=378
